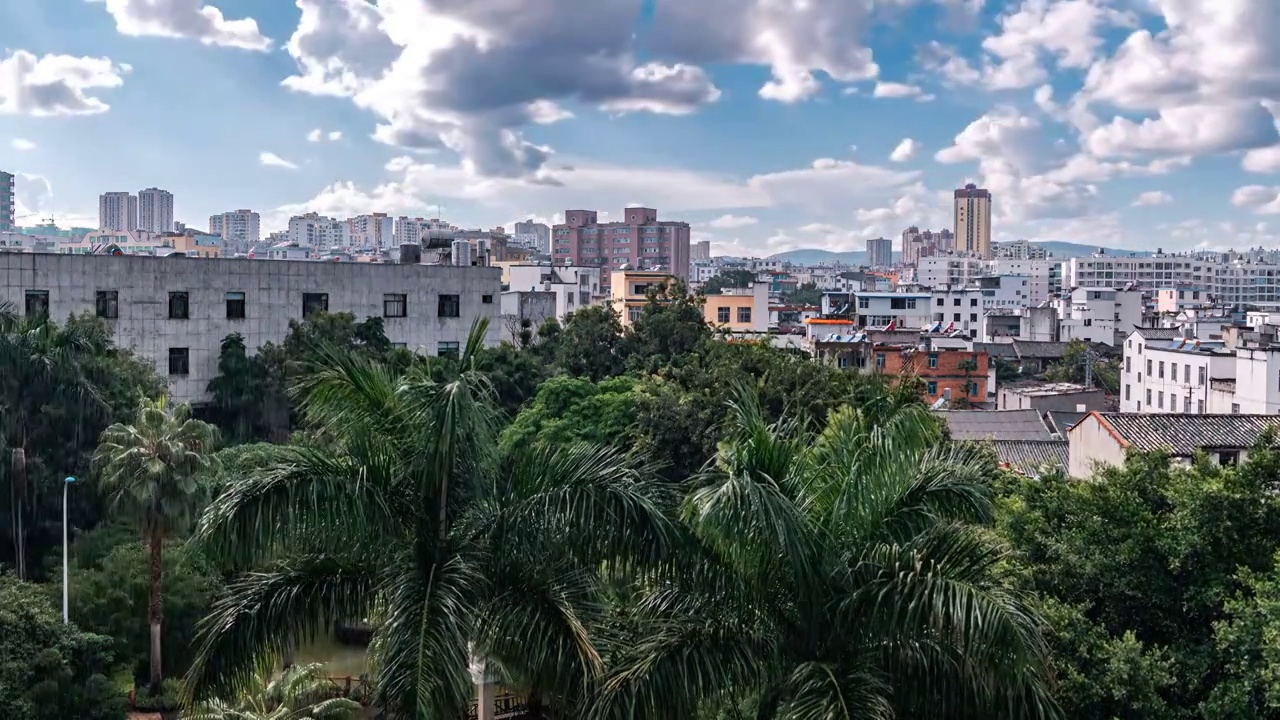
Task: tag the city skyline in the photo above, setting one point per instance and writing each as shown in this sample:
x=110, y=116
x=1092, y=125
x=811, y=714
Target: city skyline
x=822, y=142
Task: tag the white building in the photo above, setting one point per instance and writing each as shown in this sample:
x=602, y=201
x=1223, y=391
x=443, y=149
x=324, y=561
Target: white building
x=117, y=211
x=175, y=311
x=540, y=232
x=1044, y=276
x=948, y=270
x=318, y=232
x=1096, y=314
x=573, y=286
x=240, y=229
x=1018, y=250
x=1239, y=375
x=1103, y=439
x=410, y=230
x=376, y=230
x=908, y=311
x=131, y=242
x=155, y=210
x=966, y=307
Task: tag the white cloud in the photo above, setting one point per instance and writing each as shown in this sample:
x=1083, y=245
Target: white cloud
x=1152, y=198
x=189, y=19
x=1262, y=160
x=318, y=135
x=1258, y=198
x=905, y=150
x=1189, y=130
x=22, y=144
x=270, y=159
x=729, y=222
x=335, y=135
x=1067, y=31
x=56, y=84
x=900, y=90
x=315, y=136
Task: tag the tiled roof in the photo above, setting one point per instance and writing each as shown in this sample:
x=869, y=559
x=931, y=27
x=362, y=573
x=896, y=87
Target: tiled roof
x=1184, y=434
x=1039, y=349
x=1160, y=333
x=1060, y=421
x=995, y=424
x=1001, y=350
x=1030, y=457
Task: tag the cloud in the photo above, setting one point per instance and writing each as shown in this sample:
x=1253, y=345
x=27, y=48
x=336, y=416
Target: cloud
x=900, y=90
x=729, y=222
x=905, y=150
x=32, y=194
x=270, y=159
x=1152, y=198
x=1260, y=199
x=188, y=19
x=1189, y=130
x=318, y=135
x=22, y=144
x=56, y=84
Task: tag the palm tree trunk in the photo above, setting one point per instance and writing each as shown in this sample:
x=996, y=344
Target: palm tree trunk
x=156, y=608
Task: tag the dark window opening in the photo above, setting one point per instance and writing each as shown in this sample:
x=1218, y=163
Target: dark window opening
x=486, y=299
x=37, y=303
x=107, y=304
x=179, y=361
x=449, y=306
x=313, y=303
x=179, y=306
x=235, y=306
x=449, y=349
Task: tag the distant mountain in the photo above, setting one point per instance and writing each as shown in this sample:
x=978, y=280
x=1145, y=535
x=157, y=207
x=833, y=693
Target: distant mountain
x=1058, y=249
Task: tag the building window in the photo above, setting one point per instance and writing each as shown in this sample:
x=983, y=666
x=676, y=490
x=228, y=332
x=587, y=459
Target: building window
x=1160, y=399
x=879, y=360
x=1202, y=373
x=1128, y=364
x=1148, y=368
x=1126, y=392
x=973, y=302
x=1148, y=398
x=179, y=361
x=863, y=303
x=941, y=302
x=1186, y=373
x=449, y=306
x=1228, y=457
x=722, y=315
x=956, y=317
x=107, y=304
x=1200, y=407
x=486, y=299
x=448, y=349
x=956, y=302
x=1173, y=372
x=395, y=305
x=744, y=315
x=1235, y=408
x=633, y=314
x=973, y=388
x=933, y=360
x=313, y=303
x=973, y=317
x=1173, y=402
x=37, y=303
x=1161, y=369
x=179, y=306
x=932, y=387
x=235, y=305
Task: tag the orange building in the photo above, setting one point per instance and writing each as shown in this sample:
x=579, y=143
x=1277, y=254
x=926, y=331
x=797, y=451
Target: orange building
x=963, y=372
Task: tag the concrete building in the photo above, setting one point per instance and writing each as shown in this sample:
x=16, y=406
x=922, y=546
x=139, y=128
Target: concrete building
x=628, y=291
x=1237, y=375
x=1176, y=300
x=744, y=310
x=522, y=313
x=375, y=230
x=240, y=229
x=973, y=221
x=155, y=210
x=117, y=211
x=967, y=307
x=315, y=231
x=194, y=243
x=1018, y=250
x=1044, y=276
x=1097, y=314
x=640, y=241
x=411, y=230
x=8, y=206
x=880, y=252
x=573, y=287
x=917, y=244
x=131, y=242
x=700, y=251
x=1051, y=397
x=906, y=311
x=175, y=311
x=539, y=231
x=948, y=270
x=1104, y=439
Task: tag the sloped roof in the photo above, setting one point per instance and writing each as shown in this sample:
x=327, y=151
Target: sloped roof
x=1060, y=421
x=1182, y=435
x=1159, y=333
x=1031, y=457
x=995, y=424
x=1002, y=350
x=1039, y=349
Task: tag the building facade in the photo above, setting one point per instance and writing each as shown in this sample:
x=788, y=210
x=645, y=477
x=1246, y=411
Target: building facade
x=744, y=310
x=574, y=287
x=700, y=251
x=411, y=230
x=540, y=233
x=175, y=311
x=375, y=230
x=1018, y=250
x=879, y=309
x=240, y=229
x=917, y=244
x=117, y=211
x=880, y=252
x=317, y=231
x=155, y=210
x=8, y=205
x=973, y=221
x=639, y=241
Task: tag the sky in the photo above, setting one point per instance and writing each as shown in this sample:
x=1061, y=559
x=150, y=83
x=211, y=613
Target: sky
x=769, y=125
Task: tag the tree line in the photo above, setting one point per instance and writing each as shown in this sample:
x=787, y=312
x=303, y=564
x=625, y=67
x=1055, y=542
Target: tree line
x=649, y=522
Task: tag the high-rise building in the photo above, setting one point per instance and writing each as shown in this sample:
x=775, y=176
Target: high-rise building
x=8, y=213
x=880, y=252
x=917, y=243
x=239, y=230
x=313, y=230
x=155, y=210
x=376, y=230
x=117, y=211
x=973, y=221
x=410, y=230
x=700, y=251
x=640, y=241
x=538, y=230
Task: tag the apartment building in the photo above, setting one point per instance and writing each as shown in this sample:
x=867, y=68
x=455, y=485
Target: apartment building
x=118, y=211
x=240, y=229
x=967, y=307
x=175, y=311
x=1164, y=374
x=574, y=287
x=318, y=232
x=948, y=270
x=1044, y=276
x=903, y=310
x=1176, y=300
x=973, y=221
x=639, y=241
x=539, y=235
x=155, y=210
x=1018, y=250
x=629, y=289
x=374, y=230
x=1233, y=280
x=880, y=252
x=917, y=244
x=8, y=206
x=412, y=230
x=1097, y=314
x=700, y=251
x=743, y=310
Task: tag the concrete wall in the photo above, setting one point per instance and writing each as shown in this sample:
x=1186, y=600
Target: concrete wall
x=518, y=305
x=1091, y=445
x=1086, y=401
x=273, y=296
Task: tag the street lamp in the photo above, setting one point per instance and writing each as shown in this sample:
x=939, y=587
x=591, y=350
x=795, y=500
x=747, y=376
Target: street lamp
x=66, y=485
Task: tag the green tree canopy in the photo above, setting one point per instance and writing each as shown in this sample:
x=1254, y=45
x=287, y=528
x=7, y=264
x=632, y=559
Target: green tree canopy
x=567, y=410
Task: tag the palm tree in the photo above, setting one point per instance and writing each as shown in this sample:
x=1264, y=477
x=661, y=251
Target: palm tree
x=152, y=468
x=835, y=575
x=406, y=515
x=300, y=693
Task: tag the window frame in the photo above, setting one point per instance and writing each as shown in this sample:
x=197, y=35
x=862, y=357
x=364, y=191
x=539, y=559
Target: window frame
x=314, y=303
x=106, y=304
x=448, y=305
x=183, y=358
x=395, y=305
x=179, y=305
x=230, y=302
x=35, y=304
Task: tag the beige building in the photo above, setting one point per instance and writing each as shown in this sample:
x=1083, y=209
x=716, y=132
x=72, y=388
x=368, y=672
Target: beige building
x=741, y=310
x=628, y=291
x=973, y=221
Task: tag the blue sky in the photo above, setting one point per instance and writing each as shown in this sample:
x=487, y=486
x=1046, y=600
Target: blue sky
x=768, y=124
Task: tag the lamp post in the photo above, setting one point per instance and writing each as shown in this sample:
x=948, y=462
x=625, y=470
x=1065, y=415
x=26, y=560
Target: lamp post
x=66, y=485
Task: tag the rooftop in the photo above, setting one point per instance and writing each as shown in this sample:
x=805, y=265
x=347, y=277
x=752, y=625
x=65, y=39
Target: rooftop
x=1182, y=435
x=1048, y=389
x=1032, y=457
x=1159, y=333
x=1060, y=421
x=995, y=424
